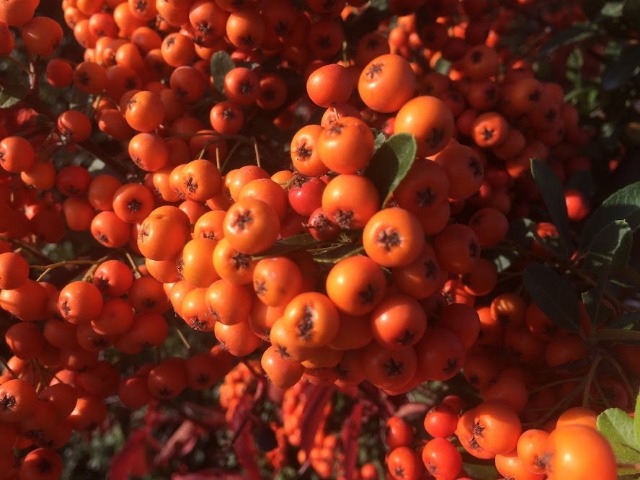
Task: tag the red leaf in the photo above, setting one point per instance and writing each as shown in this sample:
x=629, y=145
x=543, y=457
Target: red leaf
x=247, y=453
x=205, y=416
x=241, y=413
x=350, y=434
x=314, y=415
x=131, y=460
x=208, y=474
x=243, y=443
x=180, y=443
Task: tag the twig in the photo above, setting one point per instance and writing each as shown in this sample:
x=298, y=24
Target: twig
x=8, y=368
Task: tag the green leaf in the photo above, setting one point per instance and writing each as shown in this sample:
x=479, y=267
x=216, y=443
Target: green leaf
x=629, y=321
x=554, y=294
x=443, y=66
x=626, y=277
x=12, y=96
x=522, y=231
x=378, y=140
x=612, y=9
x=620, y=71
x=341, y=252
x=480, y=471
x=618, y=335
x=636, y=421
x=573, y=34
x=612, y=245
x=391, y=163
x=553, y=195
x=624, y=204
x=626, y=455
x=617, y=426
x=221, y=64
x=291, y=244
x=597, y=310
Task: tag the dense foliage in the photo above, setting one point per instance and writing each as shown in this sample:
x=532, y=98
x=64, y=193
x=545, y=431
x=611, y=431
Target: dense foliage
x=246, y=239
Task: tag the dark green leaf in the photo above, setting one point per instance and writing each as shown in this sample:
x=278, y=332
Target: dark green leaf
x=629, y=321
x=612, y=245
x=554, y=294
x=553, y=195
x=291, y=244
x=573, y=34
x=618, y=335
x=334, y=255
x=619, y=72
x=221, y=64
x=480, y=471
x=624, y=204
x=391, y=163
x=626, y=277
x=581, y=180
x=597, y=310
x=522, y=231
x=617, y=426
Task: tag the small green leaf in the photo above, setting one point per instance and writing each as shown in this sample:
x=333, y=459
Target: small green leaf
x=553, y=195
x=620, y=71
x=617, y=426
x=612, y=245
x=391, y=163
x=624, y=204
x=573, y=34
x=221, y=64
x=554, y=294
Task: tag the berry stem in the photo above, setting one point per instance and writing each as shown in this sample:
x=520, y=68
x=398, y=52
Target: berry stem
x=7, y=367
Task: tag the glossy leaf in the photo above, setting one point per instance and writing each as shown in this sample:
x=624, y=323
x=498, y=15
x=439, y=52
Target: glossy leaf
x=597, y=310
x=624, y=204
x=554, y=294
x=612, y=245
x=553, y=195
x=391, y=163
